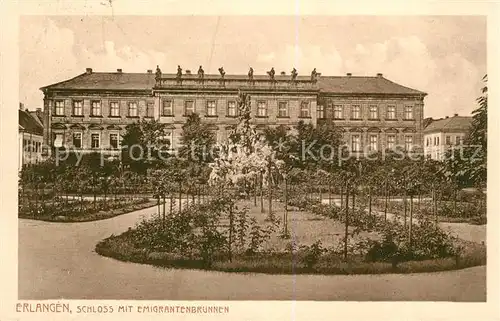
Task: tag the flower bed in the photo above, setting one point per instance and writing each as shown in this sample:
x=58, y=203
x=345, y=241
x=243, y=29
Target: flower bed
x=200, y=237
x=59, y=210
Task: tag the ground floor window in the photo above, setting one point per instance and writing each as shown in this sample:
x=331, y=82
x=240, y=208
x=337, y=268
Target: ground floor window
x=114, y=140
x=77, y=140
x=95, y=140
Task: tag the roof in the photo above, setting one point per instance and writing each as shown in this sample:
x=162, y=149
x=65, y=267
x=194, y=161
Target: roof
x=37, y=116
x=29, y=124
x=450, y=124
x=363, y=85
x=146, y=81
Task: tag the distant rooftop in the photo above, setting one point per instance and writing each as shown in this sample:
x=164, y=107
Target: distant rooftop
x=29, y=124
x=449, y=124
x=146, y=81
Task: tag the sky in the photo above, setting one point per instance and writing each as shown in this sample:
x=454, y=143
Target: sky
x=444, y=56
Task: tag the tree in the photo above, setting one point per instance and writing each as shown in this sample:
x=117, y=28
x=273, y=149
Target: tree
x=197, y=140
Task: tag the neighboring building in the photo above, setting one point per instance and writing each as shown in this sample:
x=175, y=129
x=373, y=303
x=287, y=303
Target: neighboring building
x=30, y=138
x=445, y=133
x=92, y=110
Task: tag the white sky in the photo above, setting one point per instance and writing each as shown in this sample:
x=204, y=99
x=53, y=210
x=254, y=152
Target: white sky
x=444, y=56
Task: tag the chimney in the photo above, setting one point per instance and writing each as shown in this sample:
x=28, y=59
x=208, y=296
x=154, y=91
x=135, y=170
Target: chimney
x=88, y=70
x=349, y=74
x=447, y=117
x=283, y=73
x=188, y=72
x=455, y=115
x=379, y=75
x=119, y=70
x=150, y=71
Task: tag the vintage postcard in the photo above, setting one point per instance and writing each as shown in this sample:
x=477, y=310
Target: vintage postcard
x=247, y=161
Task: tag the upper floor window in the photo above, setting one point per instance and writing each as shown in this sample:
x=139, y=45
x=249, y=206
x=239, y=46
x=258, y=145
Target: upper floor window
x=59, y=108
x=338, y=112
x=132, y=109
x=167, y=108
x=409, y=112
x=305, y=111
x=77, y=140
x=150, y=109
x=231, y=108
x=211, y=108
x=356, y=112
x=391, y=112
x=458, y=140
x=96, y=108
x=261, y=109
x=408, y=142
x=114, y=109
x=321, y=112
x=373, y=112
x=78, y=108
x=282, y=109
x=448, y=140
x=95, y=140
x=188, y=107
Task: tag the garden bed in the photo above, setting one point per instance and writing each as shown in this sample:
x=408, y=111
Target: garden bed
x=75, y=211
x=314, y=246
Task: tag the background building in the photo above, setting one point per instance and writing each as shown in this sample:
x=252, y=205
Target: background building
x=30, y=138
x=91, y=110
x=445, y=133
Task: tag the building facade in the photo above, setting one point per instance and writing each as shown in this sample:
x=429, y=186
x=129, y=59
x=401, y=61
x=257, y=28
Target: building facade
x=30, y=138
x=443, y=134
x=91, y=111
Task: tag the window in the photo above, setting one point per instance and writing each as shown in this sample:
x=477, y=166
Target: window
x=437, y=140
x=188, y=107
x=211, y=108
x=261, y=109
x=114, y=109
x=321, y=111
x=77, y=108
x=408, y=112
x=231, y=108
x=132, y=109
x=458, y=140
x=373, y=112
x=77, y=140
x=305, y=111
x=59, y=108
x=282, y=109
x=338, y=112
x=356, y=112
x=408, y=142
x=391, y=112
x=355, y=143
x=113, y=140
x=150, y=109
x=391, y=141
x=167, y=109
x=373, y=142
x=448, y=140
x=95, y=140
x=96, y=108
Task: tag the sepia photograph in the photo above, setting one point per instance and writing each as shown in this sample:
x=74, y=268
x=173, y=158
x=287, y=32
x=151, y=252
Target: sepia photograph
x=223, y=158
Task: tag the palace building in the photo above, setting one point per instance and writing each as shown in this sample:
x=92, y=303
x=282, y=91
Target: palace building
x=90, y=111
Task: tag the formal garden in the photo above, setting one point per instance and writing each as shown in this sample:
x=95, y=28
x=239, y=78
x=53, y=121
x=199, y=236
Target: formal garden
x=259, y=203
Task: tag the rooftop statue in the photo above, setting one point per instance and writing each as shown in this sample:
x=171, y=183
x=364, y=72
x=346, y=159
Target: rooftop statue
x=271, y=73
x=250, y=73
x=179, y=71
x=158, y=73
x=314, y=75
x=222, y=72
x=201, y=72
x=294, y=74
